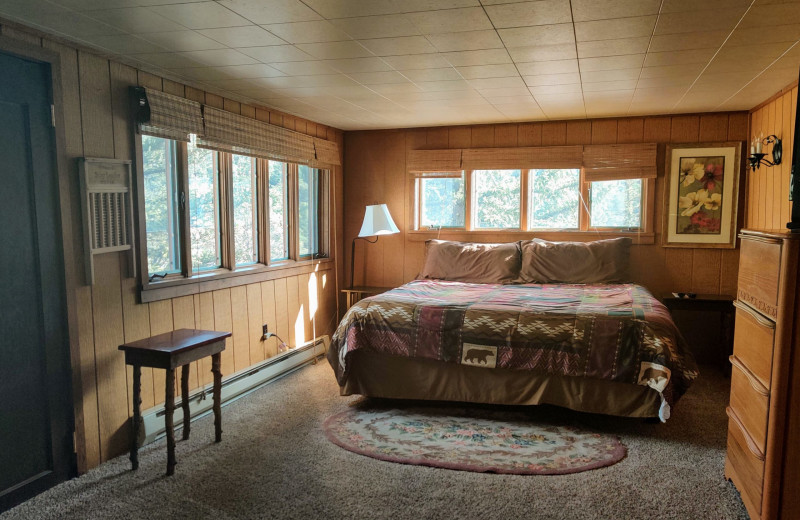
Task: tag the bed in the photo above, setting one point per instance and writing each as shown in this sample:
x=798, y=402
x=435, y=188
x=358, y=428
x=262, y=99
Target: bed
x=608, y=348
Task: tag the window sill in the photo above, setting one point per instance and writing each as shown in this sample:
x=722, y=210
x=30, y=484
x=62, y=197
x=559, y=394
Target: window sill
x=639, y=238
x=174, y=287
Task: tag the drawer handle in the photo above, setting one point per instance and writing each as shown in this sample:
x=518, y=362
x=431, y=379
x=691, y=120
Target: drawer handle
x=754, y=382
x=751, y=445
x=764, y=322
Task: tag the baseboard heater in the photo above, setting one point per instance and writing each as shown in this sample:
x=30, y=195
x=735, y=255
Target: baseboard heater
x=233, y=387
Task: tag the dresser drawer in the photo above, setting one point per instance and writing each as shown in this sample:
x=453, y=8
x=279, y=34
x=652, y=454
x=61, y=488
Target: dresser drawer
x=748, y=468
x=750, y=402
x=759, y=271
x=753, y=338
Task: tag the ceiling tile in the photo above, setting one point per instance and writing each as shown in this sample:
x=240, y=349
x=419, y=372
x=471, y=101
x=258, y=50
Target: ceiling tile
x=538, y=35
x=617, y=47
x=347, y=8
x=335, y=50
x=504, y=92
x=677, y=6
x=123, y=44
x=655, y=59
x=378, y=78
x=679, y=23
x=613, y=29
x=304, y=68
x=135, y=20
x=168, y=60
x=507, y=82
x=307, y=32
x=525, y=99
x=466, y=41
x=772, y=15
x=778, y=33
x=612, y=62
x=585, y=10
x=602, y=86
x=591, y=76
x=484, y=57
x=548, y=67
x=546, y=12
x=672, y=70
x=488, y=71
x=384, y=26
x=203, y=73
x=667, y=94
x=219, y=57
x=71, y=24
x=451, y=20
x=183, y=41
x=201, y=15
x=394, y=90
x=541, y=90
x=563, y=51
x=250, y=36
x=258, y=70
x=274, y=11
x=399, y=46
x=677, y=80
x=443, y=86
x=359, y=65
x=688, y=41
x=418, y=61
x=552, y=79
x=276, y=53
x=320, y=80
x=445, y=74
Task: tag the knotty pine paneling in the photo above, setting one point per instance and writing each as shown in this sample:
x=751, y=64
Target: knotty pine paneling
x=375, y=173
x=767, y=189
x=97, y=123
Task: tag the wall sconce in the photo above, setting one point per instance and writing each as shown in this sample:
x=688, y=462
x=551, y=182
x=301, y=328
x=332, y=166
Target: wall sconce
x=756, y=157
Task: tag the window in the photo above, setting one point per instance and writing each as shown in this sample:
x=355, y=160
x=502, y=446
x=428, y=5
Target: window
x=159, y=174
x=245, y=215
x=204, y=211
x=496, y=199
x=548, y=200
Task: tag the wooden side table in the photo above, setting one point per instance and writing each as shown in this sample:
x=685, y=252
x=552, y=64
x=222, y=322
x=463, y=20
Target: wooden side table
x=353, y=294
x=721, y=303
x=169, y=351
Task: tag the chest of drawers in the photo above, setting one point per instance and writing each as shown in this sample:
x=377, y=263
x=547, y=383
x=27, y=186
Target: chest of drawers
x=763, y=457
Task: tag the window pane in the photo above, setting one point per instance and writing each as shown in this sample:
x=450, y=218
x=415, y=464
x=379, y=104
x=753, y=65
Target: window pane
x=244, y=210
x=554, y=199
x=496, y=199
x=441, y=202
x=308, y=210
x=203, y=211
x=617, y=203
x=278, y=243
x=160, y=205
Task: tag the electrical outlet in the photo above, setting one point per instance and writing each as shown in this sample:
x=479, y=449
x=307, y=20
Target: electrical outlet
x=265, y=333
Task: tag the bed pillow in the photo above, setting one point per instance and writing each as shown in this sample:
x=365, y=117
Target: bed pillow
x=600, y=261
x=471, y=262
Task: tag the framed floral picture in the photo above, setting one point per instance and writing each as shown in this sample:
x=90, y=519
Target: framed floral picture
x=701, y=195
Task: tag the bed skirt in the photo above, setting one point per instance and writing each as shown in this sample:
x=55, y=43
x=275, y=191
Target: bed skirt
x=379, y=375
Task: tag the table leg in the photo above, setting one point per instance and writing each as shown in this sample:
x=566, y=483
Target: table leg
x=216, y=360
x=185, y=401
x=137, y=415
x=169, y=406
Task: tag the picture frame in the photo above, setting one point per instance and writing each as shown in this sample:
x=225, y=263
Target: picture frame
x=701, y=195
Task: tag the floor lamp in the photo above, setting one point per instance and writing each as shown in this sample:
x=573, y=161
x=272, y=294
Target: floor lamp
x=377, y=221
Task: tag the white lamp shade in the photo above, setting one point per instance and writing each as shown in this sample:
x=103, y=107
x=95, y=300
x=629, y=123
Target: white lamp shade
x=377, y=221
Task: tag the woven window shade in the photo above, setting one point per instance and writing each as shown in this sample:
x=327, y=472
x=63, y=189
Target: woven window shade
x=228, y=132
x=170, y=117
x=418, y=161
x=620, y=161
x=549, y=157
x=327, y=153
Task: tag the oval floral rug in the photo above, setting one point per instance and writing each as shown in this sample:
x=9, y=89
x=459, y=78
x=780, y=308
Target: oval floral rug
x=488, y=442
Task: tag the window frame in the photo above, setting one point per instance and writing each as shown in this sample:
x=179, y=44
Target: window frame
x=186, y=281
x=642, y=235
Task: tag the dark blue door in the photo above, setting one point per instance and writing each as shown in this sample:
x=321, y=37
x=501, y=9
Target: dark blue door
x=35, y=405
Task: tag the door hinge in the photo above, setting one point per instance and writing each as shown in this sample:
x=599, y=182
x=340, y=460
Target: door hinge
x=53, y=115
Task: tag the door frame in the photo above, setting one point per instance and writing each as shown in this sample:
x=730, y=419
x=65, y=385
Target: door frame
x=69, y=204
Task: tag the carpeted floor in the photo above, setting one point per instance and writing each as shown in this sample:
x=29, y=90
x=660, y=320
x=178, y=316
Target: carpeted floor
x=275, y=462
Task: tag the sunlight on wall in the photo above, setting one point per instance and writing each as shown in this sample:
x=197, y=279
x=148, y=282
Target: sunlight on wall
x=299, y=328
x=313, y=304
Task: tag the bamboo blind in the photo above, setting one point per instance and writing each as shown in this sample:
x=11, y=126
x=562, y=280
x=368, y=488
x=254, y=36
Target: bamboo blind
x=327, y=152
x=433, y=160
x=522, y=158
x=171, y=117
x=620, y=161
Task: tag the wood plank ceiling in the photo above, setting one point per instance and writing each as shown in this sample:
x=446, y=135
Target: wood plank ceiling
x=363, y=64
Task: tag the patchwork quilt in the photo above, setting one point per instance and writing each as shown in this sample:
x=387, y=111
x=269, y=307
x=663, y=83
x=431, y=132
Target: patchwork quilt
x=616, y=332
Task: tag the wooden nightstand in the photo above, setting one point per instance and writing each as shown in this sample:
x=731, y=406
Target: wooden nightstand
x=353, y=294
x=721, y=303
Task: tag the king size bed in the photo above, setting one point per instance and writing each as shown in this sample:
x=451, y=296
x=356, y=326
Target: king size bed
x=607, y=348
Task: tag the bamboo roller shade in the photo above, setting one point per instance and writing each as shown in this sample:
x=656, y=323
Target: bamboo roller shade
x=172, y=117
x=601, y=162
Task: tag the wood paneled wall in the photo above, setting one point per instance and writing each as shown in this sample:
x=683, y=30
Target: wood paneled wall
x=768, y=205
x=298, y=307
x=375, y=172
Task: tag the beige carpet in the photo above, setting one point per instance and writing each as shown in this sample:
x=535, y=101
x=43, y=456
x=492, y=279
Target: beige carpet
x=275, y=462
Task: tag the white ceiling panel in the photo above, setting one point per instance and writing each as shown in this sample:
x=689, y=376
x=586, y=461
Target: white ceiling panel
x=354, y=63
